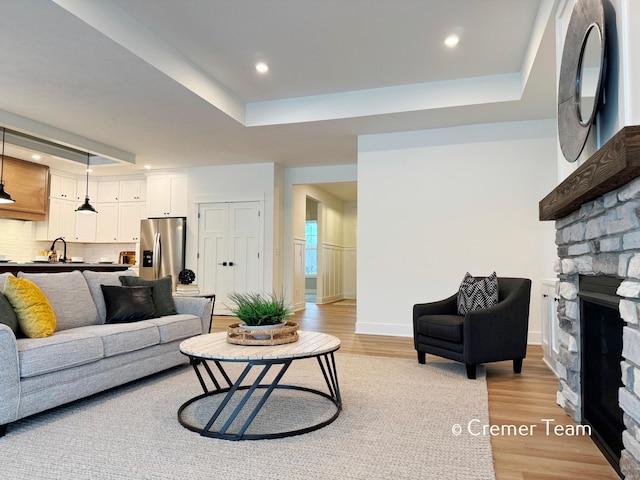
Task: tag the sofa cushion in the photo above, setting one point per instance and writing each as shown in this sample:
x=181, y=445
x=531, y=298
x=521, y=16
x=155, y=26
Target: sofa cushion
x=446, y=327
x=118, y=338
x=69, y=296
x=127, y=304
x=162, y=292
x=177, y=327
x=7, y=315
x=3, y=279
x=60, y=351
x=35, y=314
x=94, y=280
x=476, y=294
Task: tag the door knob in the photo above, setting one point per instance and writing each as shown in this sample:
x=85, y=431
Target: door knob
x=224, y=264
x=231, y=264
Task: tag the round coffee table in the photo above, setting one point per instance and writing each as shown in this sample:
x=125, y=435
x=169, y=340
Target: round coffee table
x=214, y=348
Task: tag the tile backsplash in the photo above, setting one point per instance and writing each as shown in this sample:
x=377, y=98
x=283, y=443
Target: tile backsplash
x=18, y=243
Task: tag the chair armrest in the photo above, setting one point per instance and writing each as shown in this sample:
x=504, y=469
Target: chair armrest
x=499, y=332
x=448, y=306
x=198, y=306
x=9, y=376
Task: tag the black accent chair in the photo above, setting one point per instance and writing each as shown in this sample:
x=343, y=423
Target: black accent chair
x=486, y=335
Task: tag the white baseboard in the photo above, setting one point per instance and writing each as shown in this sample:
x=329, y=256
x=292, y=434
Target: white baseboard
x=390, y=329
x=534, y=338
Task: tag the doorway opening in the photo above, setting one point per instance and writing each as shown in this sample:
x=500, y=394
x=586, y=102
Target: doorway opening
x=323, y=243
x=311, y=251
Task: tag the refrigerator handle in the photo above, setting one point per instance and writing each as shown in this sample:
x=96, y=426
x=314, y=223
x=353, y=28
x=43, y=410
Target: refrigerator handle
x=156, y=256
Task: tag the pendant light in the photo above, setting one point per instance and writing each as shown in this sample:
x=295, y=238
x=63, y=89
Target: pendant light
x=4, y=196
x=86, y=207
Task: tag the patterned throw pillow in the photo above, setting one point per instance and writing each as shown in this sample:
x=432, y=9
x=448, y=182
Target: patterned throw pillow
x=475, y=294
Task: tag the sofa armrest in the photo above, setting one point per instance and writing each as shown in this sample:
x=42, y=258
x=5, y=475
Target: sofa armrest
x=201, y=307
x=448, y=306
x=9, y=376
x=499, y=332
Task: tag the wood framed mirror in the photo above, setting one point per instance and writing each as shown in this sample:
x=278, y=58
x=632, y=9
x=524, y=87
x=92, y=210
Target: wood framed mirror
x=581, y=76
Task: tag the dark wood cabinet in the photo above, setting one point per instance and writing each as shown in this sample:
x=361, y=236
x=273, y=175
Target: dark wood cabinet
x=28, y=185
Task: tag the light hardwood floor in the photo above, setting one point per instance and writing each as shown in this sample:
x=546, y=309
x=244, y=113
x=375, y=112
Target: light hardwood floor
x=524, y=399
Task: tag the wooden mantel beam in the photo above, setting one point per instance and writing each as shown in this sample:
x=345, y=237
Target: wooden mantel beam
x=612, y=166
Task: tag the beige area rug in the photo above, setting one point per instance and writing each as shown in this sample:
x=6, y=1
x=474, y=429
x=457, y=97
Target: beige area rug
x=346, y=302
x=396, y=423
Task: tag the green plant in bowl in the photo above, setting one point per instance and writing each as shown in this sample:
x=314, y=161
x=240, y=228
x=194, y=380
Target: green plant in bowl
x=255, y=309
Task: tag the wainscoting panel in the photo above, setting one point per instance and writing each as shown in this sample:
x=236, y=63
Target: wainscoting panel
x=332, y=273
x=298, y=274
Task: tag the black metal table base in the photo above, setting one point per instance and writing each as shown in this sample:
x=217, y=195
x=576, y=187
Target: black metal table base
x=327, y=366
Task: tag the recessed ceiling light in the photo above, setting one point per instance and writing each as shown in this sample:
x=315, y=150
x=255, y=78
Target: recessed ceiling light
x=147, y=167
x=36, y=157
x=452, y=40
x=262, y=67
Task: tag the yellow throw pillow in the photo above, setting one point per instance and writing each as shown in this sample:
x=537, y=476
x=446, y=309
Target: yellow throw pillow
x=34, y=312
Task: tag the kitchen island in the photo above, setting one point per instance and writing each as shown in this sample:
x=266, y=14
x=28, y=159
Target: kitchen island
x=55, y=267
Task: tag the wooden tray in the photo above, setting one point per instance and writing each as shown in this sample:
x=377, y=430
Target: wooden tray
x=287, y=333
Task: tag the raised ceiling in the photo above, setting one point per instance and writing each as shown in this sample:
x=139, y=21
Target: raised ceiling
x=172, y=83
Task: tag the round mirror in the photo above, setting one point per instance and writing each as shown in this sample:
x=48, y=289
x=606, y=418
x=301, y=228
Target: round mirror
x=589, y=73
x=581, y=76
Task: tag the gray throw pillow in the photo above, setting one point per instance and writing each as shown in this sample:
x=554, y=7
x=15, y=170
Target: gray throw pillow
x=162, y=292
x=127, y=304
x=476, y=294
x=7, y=315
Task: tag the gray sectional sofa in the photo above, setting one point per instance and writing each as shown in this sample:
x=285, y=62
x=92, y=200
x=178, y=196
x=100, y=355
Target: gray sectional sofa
x=85, y=355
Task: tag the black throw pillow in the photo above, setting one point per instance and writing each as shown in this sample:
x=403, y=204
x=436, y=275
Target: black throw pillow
x=128, y=304
x=162, y=292
x=8, y=315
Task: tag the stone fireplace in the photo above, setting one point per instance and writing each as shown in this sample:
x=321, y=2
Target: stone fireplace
x=597, y=214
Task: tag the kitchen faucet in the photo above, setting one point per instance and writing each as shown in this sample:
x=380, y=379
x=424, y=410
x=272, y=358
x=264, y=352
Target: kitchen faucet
x=64, y=252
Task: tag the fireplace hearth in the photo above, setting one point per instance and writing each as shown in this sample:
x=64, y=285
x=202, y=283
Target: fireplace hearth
x=601, y=374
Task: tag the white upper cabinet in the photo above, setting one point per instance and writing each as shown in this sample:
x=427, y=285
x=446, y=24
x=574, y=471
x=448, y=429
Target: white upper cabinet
x=62, y=187
x=108, y=191
x=120, y=205
x=133, y=191
x=167, y=196
x=81, y=191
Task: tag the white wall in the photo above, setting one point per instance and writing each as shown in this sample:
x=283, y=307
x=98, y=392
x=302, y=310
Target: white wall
x=433, y=205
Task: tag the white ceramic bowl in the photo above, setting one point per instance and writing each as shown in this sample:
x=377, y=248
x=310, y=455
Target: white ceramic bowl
x=105, y=259
x=42, y=258
x=3, y=257
x=77, y=259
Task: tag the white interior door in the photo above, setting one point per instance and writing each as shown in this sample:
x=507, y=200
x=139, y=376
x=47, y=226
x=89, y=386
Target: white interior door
x=230, y=250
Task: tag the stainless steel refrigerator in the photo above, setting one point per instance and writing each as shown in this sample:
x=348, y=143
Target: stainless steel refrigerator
x=162, y=247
